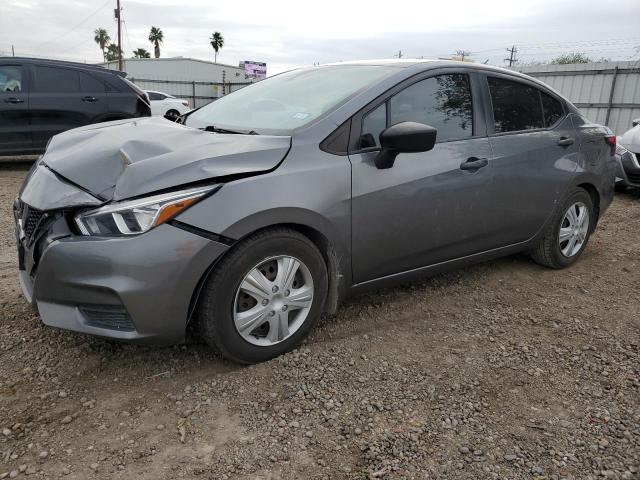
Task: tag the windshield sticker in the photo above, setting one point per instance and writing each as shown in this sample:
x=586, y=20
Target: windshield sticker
x=300, y=115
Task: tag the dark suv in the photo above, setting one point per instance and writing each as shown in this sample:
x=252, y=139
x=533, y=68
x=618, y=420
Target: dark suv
x=41, y=98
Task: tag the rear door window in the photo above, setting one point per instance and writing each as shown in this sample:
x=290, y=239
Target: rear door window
x=55, y=80
x=89, y=84
x=10, y=79
x=516, y=106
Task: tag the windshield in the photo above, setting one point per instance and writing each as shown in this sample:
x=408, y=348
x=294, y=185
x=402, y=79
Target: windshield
x=289, y=100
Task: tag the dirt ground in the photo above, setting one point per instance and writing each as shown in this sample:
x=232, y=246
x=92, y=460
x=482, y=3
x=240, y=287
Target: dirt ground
x=504, y=370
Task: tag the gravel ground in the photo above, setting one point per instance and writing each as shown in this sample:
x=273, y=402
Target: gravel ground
x=504, y=370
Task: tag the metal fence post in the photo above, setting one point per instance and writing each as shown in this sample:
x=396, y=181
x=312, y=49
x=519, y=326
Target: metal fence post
x=193, y=93
x=610, y=104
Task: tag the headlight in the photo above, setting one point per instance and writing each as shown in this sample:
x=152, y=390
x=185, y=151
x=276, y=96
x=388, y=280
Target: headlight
x=138, y=216
x=620, y=150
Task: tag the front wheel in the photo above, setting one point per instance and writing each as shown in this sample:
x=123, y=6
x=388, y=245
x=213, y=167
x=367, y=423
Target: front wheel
x=568, y=233
x=172, y=115
x=263, y=297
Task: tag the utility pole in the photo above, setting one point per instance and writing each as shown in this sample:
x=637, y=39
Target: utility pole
x=13, y=52
x=462, y=54
x=512, y=56
x=117, y=13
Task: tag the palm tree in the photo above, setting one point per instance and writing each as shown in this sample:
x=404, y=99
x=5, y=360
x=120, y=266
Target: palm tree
x=102, y=38
x=112, y=53
x=217, y=42
x=155, y=37
x=141, y=53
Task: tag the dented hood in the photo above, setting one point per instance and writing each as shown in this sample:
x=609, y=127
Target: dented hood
x=127, y=158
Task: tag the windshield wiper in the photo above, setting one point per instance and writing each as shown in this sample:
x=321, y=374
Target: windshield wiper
x=213, y=128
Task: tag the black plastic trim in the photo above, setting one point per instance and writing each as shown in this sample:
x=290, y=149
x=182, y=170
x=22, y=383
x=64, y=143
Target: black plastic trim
x=201, y=232
x=337, y=142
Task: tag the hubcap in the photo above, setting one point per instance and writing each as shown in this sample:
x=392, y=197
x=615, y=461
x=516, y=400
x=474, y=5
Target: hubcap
x=273, y=300
x=574, y=229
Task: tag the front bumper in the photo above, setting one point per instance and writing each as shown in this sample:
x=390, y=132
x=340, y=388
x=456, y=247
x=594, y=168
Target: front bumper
x=628, y=169
x=148, y=280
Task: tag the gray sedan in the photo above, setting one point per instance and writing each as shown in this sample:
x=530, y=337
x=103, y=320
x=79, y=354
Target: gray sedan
x=259, y=212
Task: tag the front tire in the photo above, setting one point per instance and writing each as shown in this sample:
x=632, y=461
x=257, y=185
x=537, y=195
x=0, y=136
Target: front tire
x=172, y=115
x=568, y=233
x=263, y=297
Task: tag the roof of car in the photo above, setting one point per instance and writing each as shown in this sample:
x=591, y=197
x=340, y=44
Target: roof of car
x=418, y=63
x=432, y=63
x=49, y=61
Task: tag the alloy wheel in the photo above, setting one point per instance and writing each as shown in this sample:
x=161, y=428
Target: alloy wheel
x=273, y=300
x=573, y=229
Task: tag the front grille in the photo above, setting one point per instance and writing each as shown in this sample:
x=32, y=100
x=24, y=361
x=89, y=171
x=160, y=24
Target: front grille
x=112, y=317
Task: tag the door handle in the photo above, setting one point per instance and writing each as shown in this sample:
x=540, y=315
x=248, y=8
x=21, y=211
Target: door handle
x=89, y=99
x=13, y=100
x=565, y=141
x=474, y=163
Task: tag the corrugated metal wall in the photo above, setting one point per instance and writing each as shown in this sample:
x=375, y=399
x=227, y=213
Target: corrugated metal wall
x=195, y=80
x=197, y=93
x=606, y=92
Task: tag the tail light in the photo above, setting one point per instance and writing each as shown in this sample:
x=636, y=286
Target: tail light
x=611, y=140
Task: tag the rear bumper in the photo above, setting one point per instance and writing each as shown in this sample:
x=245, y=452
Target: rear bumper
x=146, y=283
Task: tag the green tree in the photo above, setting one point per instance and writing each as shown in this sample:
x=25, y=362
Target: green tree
x=141, y=53
x=112, y=53
x=102, y=38
x=156, y=37
x=573, y=57
x=217, y=42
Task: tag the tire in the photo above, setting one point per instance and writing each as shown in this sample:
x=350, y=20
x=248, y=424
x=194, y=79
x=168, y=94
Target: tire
x=223, y=302
x=550, y=252
x=172, y=115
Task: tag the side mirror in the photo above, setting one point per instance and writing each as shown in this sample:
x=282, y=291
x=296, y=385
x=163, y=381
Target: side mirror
x=404, y=137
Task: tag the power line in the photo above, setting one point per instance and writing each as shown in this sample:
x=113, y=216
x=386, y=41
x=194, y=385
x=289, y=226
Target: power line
x=76, y=26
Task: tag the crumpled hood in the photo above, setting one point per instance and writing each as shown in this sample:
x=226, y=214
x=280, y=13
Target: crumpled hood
x=127, y=158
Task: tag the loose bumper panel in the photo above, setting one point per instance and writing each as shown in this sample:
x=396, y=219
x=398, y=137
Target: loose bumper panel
x=147, y=280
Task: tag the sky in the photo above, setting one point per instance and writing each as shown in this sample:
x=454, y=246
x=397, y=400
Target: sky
x=286, y=34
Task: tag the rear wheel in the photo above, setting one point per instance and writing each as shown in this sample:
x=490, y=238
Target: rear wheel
x=568, y=233
x=264, y=297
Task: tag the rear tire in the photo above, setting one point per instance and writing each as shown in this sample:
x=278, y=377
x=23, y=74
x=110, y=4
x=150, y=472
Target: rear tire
x=555, y=252
x=250, y=320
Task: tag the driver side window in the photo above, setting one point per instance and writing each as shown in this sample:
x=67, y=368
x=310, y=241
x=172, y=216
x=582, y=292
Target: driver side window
x=443, y=102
